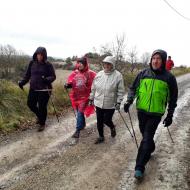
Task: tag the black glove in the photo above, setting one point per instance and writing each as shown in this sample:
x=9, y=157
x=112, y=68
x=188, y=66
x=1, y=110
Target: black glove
x=117, y=106
x=45, y=79
x=20, y=84
x=68, y=85
x=126, y=106
x=167, y=121
x=90, y=102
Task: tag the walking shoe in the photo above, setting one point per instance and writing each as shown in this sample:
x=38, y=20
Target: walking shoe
x=76, y=134
x=37, y=121
x=138, y=174
x=41, y=128
x=113, y=132
x=83, y=127
x=99, y=140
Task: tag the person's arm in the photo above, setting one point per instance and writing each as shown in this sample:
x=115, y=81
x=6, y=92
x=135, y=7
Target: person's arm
x=133, y=88
x=51, y=74
x=132, y=93
x=173, y=95
x=172, y=64
x=93, y=90
x=120, y=90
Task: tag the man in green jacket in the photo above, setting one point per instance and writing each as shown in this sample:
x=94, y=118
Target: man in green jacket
x=154, y=88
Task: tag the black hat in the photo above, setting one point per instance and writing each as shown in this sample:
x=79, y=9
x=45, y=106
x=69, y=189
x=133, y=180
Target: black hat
x=83, y=60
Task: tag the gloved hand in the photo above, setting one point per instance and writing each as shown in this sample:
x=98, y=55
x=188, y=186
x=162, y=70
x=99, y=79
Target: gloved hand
x=167, y=121
x=45, y=79
x=126, y=106
x=20, y=84
x=67, y=85
x=90, y=102
x=117, y=106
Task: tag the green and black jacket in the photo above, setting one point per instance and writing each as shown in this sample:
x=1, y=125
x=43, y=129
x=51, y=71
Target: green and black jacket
x=154, y=90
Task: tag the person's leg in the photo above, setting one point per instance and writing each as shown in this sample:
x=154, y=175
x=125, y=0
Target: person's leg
x=148, y=127
x=32, y=102
x=80, y=124
x=100, y=121
x=108, y=115
x=100, y=124
x=80, y=120
x=43, y=98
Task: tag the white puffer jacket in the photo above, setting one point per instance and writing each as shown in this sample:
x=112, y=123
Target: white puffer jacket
x=107, y=89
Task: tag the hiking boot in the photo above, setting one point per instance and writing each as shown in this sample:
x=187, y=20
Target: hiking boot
x=37, y=121
x=83, y=127
x=41, y=128
x=138, y=174
x=76, y=134
x=113, y=132
x=99, y=140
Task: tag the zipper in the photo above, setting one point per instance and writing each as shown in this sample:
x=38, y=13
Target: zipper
x=151, y=93
x=145, y=86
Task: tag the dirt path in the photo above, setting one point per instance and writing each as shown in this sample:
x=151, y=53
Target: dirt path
x=53, y=160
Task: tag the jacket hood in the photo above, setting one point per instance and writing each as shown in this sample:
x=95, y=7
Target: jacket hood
x=82, y=60
x=111, y=60
x=163, y=55
x=42, y=51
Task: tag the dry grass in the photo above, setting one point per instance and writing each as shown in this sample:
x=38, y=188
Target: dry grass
x=61, y=75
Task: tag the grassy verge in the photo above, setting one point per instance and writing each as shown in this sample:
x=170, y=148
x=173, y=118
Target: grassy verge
x=180, y=70
x=13, y=105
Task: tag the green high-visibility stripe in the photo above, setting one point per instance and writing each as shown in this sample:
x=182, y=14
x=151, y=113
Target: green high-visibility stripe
x=152, y=95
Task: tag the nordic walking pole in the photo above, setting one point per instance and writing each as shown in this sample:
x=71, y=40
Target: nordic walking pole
x=125, y=123
x=53, y=106
x=133, y=129
x=47, y=89
x=71, y=103
x=170, y=135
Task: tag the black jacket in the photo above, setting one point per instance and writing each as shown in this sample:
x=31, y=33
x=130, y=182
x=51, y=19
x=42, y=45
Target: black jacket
x=40, y=74
x=162, y=75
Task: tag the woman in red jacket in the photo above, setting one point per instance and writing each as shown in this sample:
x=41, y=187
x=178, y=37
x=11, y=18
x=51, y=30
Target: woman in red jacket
x=80, y=80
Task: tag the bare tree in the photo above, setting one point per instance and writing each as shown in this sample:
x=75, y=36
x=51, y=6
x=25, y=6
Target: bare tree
x=106, y=50
x=12, y=62
x=116, y=49
x=145, y=59
x=119, y=48
x=7, y=54
x=132, y=57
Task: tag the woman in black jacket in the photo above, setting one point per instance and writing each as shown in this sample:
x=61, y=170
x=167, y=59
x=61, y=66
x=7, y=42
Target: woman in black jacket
x=41, y=74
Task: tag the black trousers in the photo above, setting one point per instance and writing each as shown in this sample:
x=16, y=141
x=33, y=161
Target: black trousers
x=148, y=125
x=104, y=116
x=37, y=102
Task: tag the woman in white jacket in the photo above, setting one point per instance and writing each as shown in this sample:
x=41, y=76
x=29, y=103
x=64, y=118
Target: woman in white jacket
x=107, y=92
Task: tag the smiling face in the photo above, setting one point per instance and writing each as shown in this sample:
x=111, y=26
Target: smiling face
x=81, y=66
x=107, y=67
x=156, y=62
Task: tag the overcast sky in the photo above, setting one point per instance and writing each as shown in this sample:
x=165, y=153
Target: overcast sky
x=74, y=27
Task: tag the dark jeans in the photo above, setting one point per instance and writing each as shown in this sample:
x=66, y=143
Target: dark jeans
x=148, y=125
x=80, y=120
x=37, y=102
x=104, y=116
